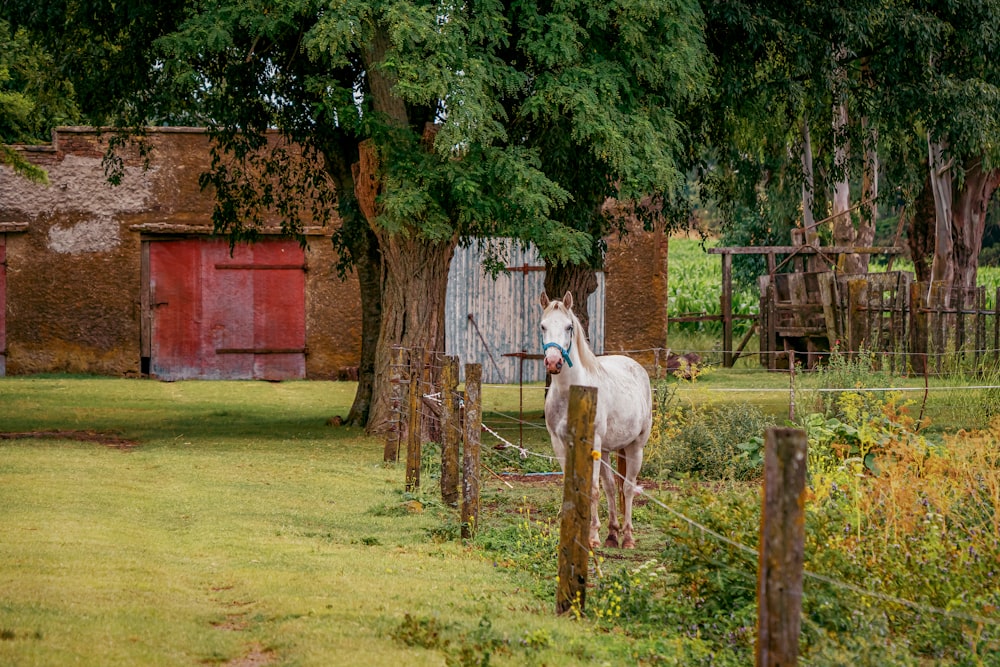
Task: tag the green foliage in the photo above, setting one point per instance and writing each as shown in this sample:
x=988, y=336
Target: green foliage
x=852, y=372
x=696, y=285
x=34, y=95
x=705, y=441
x=527, y=546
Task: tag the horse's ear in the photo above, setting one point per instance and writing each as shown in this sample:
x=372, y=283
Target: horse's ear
x=568, y=300
x=544, y=300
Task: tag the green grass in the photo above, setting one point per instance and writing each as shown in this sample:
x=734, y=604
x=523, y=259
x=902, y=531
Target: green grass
x=240, y=525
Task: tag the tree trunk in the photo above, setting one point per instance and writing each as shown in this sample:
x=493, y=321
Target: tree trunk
x=368, y=265
x=815, y=262
x=921, y=232
x=843, y=226
x=941, y=186
x=414, y=287
x=361, y=246
x=864, y=234
x=380, y=86
x=579, y=279
x=969, y=221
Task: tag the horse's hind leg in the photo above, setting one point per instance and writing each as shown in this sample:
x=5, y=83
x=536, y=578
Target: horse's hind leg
x=633, y=461
x=611, y=493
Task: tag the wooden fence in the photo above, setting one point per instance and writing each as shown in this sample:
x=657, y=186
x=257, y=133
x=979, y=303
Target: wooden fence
x=906, y=326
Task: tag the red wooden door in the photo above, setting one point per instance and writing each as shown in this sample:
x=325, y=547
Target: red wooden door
x=217, y=315
x=3, y=305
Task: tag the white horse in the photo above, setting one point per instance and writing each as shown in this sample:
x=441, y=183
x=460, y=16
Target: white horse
x=624, y=409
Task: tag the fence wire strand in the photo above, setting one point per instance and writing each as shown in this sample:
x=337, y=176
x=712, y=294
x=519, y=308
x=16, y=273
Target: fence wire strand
x=434, y=395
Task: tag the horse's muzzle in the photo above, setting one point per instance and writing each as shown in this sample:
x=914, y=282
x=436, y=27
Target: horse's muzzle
x=553, y=366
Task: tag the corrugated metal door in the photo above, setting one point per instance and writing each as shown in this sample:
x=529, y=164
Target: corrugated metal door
x=221, y=316
x=3, y=305
x=492, y=322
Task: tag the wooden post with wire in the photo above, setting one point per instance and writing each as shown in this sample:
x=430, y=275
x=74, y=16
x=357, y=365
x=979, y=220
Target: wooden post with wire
x=394, y=434
x=574, y=531
x=470, y=452
x=414, y=431
x=782, y=547
x=451, y=431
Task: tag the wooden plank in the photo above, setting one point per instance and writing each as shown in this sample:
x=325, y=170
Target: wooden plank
x=3, y=304
x=574, y=532
x=918, y=328
x=471, y=450
x=145, y=309
x=800, y=332
x=782, y=546
x=827, y=284
x=806, y=250
x=727, y=311
x=856, y=315
x=937, y=305
x=996, y=326
x=980, y=323
x=772, y=322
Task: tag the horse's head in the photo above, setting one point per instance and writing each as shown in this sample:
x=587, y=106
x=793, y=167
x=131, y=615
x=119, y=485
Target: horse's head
x=558, y=325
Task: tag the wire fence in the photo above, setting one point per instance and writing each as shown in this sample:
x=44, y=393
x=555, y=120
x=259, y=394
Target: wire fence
x=516, y=453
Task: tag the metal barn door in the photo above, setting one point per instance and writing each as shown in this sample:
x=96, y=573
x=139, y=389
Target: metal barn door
x=219, y=316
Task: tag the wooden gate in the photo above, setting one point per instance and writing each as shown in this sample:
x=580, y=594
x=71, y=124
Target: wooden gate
x=3, y=305
x=216, y=315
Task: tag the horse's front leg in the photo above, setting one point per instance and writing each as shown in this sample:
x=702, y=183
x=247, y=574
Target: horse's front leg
x=611, y=493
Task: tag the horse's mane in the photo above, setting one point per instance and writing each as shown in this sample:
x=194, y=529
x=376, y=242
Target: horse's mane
x=587, y=357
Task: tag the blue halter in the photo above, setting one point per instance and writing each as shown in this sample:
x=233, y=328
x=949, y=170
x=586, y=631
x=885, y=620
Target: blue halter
x=563, y=352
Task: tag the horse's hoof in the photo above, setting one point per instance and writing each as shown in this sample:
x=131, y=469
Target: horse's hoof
x=629, y=543
x=594, y=543
x=612, y=541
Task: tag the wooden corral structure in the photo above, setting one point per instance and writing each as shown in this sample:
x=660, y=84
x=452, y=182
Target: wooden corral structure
x=907, y=326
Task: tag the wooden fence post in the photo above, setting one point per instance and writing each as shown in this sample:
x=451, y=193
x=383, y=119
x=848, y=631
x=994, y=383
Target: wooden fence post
x=394, y=433
x=470, y=452
x=782, y=544
x=414, y=434
x=574, y=531
x=918, y=328
x=451, y=431
x=857, y=315
x=726, y=306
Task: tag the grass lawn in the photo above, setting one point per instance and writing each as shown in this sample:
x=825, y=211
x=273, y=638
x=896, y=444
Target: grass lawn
x=239, y=529
x=225, y=523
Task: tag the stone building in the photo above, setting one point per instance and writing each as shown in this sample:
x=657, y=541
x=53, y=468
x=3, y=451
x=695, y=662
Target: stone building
x=128, y=280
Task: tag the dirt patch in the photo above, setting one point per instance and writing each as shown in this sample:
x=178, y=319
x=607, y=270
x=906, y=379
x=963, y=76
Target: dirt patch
x=256, y=656
x=106, y=439
x=233, y=623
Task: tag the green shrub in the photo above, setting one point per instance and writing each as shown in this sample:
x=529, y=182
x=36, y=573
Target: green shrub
x=702, y=441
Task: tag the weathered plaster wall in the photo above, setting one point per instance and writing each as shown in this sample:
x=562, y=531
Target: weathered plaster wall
x=74, y=275
x=73, y=288
x=635, y=269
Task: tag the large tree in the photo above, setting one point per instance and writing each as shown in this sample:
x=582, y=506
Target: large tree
x=827, y=99
x=952, y=78
x=426, y=121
